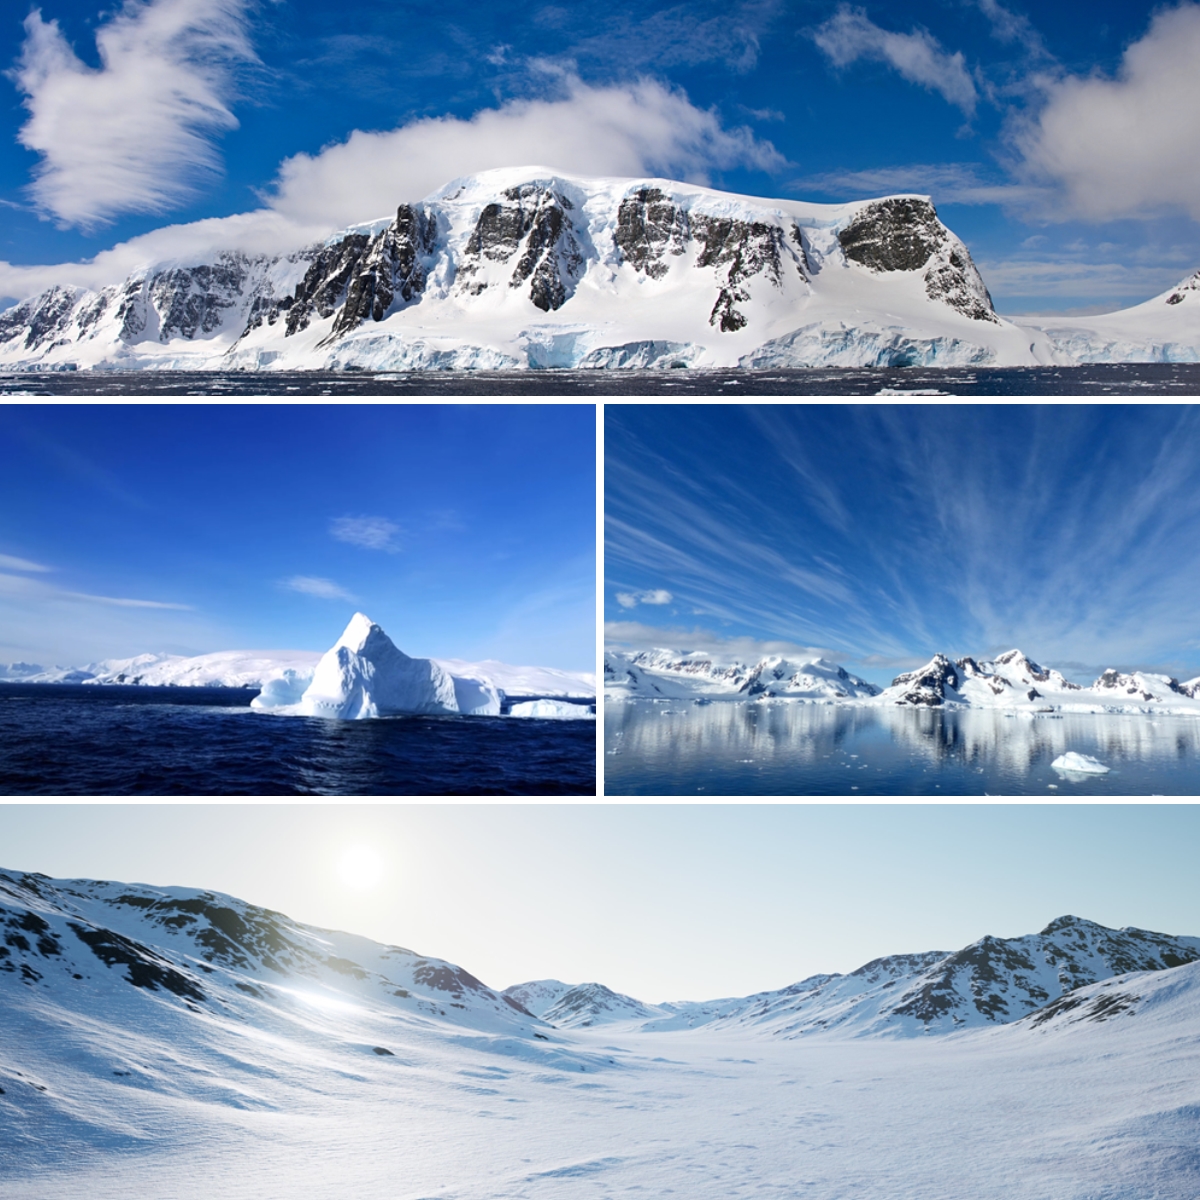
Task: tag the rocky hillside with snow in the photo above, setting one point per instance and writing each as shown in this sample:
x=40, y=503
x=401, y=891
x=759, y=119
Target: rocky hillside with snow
x=991, y=982
x=1014, y=681
x=530, y=268
x=114, y=950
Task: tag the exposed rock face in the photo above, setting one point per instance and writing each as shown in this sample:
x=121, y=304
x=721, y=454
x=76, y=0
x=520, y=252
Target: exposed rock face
x=39, y=321
x=928, y=685
x=904, y=234
x=534, y=222
x=743, y=249
x=1129, y=685
x=649, y=226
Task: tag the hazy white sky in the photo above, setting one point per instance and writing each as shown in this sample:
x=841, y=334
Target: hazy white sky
x=659, y=901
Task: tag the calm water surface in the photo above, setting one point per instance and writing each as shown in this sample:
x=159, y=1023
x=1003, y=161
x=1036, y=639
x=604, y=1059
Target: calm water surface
x=124, y=741
x=1097, y=379
x=748, y=749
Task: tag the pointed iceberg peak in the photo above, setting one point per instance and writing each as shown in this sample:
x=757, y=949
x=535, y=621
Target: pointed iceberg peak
x=362, y=635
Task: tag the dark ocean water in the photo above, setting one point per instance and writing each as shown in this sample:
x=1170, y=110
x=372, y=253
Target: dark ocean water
x=66, y=740
x=1100, y=379
x=675, y=748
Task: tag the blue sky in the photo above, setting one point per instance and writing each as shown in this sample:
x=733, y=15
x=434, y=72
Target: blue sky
x=1061, y=141
x=880, y=534
x=466, y=531
x=664, y=902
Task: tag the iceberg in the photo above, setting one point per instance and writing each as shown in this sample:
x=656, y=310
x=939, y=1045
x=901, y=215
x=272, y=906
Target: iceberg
x=1082, y=764
x=364, y=675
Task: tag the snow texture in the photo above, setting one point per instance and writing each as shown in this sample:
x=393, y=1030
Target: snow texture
x=174, y=1041
x=1085, y=764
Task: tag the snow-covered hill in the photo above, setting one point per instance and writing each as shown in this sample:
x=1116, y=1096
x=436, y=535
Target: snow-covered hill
x=527, y=267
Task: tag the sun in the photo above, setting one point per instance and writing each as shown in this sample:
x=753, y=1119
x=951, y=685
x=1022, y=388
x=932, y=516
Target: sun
x=360, y=867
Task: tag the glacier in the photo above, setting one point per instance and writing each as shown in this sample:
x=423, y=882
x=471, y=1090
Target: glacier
x=182, y=1042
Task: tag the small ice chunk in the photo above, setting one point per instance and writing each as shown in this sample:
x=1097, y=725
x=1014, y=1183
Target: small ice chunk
x=1084, y=764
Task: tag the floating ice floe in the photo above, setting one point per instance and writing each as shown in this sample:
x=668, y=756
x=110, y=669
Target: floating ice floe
x=561, y=709
x=1083, y=764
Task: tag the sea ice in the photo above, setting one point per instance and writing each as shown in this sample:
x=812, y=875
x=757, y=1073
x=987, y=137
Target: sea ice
x=1083, y=763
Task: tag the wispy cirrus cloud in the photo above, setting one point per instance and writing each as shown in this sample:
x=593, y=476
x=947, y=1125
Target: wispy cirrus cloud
x=850, y=35
x=371, y=533
x=9, y=562
x=22, y=586
x=323, y=589
x=138, y=133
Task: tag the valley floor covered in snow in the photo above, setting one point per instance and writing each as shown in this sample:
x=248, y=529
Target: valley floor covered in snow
x=1095, y=1109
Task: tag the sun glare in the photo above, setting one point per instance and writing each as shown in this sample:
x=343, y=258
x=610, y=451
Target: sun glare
x=360, y=868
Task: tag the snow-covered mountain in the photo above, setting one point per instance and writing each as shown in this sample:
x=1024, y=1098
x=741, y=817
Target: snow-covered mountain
x=527, y=267
x=1010, y=681
x=1014, y=681
x=699, y=674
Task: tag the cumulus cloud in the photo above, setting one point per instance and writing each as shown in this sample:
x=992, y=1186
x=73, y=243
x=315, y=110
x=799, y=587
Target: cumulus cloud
x=1127, y=146
x=633, y=599
x=850, y=35
x=371, y=533
x=642, y=128
x=324, y=589
x=136, y=134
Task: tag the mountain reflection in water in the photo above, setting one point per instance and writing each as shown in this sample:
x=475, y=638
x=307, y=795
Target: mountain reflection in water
x=785, y=748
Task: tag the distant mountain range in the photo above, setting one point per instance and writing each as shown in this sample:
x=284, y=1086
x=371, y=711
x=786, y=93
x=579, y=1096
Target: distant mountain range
x=110, y=950
x=531, y=268
x=1009, y=681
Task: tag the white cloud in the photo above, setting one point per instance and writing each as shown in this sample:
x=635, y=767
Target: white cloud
x=946, y=183
x=21, y=586
x=1127, y=146
x=324, y=589
x=633, y=635
x=10, y=563
x=633, y=599
x=135, y=135
x=642, y=128
x=850, y=35
x=371, y=533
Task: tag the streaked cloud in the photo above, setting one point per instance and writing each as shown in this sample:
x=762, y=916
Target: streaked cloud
x=324, y=589
x=850, y=35
x=371, y=533
x=22, y=586
x=137, y=134
x=9, y=562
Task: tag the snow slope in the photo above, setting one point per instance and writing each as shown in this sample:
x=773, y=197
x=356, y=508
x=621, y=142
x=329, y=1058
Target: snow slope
x=1164, y=329
x=175, y=1042
x=530, y=268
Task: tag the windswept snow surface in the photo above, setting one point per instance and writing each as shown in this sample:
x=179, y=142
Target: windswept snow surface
x=174, y=1042
x=1011, y=681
